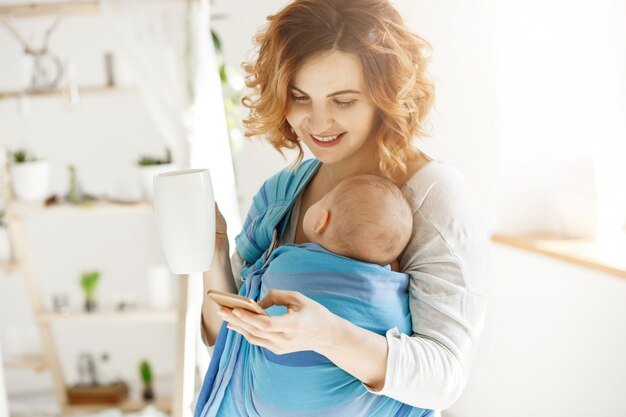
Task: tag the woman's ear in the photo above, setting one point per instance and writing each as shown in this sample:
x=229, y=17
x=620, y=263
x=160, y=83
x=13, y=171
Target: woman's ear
x=322, y=222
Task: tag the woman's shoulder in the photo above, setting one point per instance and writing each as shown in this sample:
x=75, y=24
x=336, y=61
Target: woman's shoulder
x=435, y=184
x=443, y=207
x=447, y=227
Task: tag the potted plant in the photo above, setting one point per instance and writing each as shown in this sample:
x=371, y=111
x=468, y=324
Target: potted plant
x=30, y=175
x=149, y=166
x=145, y=370
x=89, y=281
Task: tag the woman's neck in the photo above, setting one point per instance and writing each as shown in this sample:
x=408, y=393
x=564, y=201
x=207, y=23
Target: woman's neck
x=333, y=174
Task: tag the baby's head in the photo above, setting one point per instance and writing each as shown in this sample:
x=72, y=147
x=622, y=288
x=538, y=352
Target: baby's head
x=365, y=217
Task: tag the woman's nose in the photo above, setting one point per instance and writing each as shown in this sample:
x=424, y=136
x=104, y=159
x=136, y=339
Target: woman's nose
x=319, y=121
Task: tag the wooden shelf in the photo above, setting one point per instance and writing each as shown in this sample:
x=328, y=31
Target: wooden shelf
x=131, y=405
x=608, y=257
x=183, y=383
x=82, y=91
x=65, y=8
x=132, y=316
x=36, y=363
x=21, y=209
x=10, y=267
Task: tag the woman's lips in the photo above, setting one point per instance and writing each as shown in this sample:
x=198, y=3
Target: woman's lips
x=327, y=144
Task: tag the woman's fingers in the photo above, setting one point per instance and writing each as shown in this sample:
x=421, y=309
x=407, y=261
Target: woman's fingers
x=248, y=320
x=280, y=298
x=250, y=337
x=258, y=321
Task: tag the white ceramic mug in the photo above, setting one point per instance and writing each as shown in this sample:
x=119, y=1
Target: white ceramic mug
x=185, y=214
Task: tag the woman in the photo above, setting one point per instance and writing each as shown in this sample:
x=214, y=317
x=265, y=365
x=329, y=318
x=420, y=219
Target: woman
x=348, y=79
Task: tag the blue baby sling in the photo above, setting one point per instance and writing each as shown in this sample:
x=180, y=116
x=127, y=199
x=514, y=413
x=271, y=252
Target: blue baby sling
x=247, y=380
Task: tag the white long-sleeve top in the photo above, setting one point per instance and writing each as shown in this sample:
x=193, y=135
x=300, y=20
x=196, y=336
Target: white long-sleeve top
x=446, y=260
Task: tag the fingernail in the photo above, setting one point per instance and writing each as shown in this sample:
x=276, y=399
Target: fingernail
x=222, y=314
x=237, y=313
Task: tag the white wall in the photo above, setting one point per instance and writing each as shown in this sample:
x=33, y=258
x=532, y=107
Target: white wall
x=553, y=344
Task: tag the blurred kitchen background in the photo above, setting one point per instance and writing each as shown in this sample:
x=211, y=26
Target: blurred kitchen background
x=531, y=107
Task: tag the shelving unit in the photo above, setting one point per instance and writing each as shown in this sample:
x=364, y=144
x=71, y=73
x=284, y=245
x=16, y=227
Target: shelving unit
x=19, y=210
x=35, y=362
x=57, y=92
x=67, y=8
x=9, y=267
x=125, y=406
x=607, y=257
x=17, y=213
x=145, y=316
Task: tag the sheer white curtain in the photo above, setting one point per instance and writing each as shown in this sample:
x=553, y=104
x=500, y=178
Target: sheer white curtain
x=167, y=46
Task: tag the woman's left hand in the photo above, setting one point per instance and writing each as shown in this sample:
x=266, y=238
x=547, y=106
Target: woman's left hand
x=307, y=325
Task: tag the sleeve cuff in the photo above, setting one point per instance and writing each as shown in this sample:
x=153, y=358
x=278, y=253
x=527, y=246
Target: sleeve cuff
x=393, y=340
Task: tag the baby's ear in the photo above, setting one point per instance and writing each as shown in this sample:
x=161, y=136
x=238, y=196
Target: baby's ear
x=322, y=222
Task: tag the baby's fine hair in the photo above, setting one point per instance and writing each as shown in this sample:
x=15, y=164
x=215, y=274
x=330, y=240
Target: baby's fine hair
x=372, y=219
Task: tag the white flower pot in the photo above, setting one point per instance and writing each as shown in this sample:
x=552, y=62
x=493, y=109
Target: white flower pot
x=31, y=180
x=5, y=246
x=146, y=175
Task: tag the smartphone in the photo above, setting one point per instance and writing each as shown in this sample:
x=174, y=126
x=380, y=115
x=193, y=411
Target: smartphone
x=235, y=301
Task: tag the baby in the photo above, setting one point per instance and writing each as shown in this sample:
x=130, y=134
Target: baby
x=364, y=217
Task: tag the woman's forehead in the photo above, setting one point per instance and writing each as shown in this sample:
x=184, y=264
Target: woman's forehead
x=330, y=72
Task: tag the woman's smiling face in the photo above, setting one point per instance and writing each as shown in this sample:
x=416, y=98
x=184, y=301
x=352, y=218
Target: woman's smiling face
x=330, y=110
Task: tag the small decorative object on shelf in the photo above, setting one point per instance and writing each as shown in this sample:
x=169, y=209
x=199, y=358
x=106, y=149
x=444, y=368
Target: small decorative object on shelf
x=150, y=166
x=96, y=384
x=87, y=371
x=30, y=175
x=126, y=302
x=72, y=92
x=105, y=373
x=109, y=69
x=75, y=191
x=89, y=281
x=61, y=304
x=145, y=370
x=44, y=68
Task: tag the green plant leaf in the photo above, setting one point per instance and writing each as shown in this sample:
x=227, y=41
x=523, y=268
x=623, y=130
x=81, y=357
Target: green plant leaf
x=89, y=281
x=217, y=42
x=145, y=370
x=20, y=156
x=145, y=160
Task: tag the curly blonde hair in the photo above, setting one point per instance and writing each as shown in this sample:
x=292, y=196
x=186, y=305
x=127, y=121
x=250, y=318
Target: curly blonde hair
x=393, y=59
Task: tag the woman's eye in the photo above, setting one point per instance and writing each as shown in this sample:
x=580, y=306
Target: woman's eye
x=299, y=99
x=344, y=104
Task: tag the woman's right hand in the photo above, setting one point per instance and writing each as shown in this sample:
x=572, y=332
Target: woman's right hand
x=220, y=223
x=221, y=235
